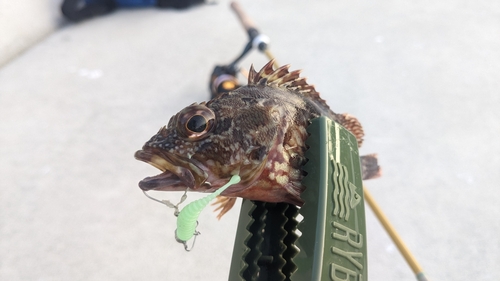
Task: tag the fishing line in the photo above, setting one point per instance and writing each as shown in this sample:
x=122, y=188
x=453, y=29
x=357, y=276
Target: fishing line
x=168, y=203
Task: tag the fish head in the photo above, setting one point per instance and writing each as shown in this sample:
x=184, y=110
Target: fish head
x=203, y=146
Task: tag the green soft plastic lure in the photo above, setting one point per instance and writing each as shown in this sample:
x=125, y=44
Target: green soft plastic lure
x=188, y=216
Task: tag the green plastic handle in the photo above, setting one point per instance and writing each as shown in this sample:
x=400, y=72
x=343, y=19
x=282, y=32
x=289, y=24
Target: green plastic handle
x=333, y=242
x=332, y=245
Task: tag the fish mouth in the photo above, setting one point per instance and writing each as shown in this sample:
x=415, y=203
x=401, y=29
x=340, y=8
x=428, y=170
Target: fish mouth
x=178, y=173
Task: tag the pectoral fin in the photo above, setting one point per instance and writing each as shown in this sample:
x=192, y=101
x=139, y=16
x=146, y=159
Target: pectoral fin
x=223, y=205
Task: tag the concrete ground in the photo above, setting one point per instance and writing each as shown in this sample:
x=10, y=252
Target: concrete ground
x=423, y=78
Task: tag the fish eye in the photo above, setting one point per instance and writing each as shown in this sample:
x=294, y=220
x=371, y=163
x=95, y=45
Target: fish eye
x=195, y=122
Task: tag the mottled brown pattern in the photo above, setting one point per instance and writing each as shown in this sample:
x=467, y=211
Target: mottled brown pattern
x=257, y=131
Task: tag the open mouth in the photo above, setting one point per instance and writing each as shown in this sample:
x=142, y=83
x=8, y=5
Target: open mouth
x=178, y=173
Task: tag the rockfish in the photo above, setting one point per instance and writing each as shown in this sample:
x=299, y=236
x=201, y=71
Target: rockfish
x=257, y=131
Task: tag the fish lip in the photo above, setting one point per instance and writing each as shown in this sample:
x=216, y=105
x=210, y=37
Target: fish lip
x=165, y=181
x=178, y=172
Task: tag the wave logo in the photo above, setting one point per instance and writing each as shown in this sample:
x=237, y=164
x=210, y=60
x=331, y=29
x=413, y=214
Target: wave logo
x=344, y=195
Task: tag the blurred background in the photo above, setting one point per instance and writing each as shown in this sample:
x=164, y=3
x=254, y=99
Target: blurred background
x=77, y=99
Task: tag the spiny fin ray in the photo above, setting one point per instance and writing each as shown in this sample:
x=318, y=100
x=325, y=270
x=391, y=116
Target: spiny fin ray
x=223, y=204
x=292, y=81
x=284, y=79
x=352, y=124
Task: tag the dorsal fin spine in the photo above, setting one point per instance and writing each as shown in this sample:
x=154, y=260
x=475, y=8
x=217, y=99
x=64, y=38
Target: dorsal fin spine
x=252, y=75
x=282, y=78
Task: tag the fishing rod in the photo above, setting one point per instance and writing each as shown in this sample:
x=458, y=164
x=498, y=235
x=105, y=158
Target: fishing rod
x=389, y=228
x=223, y=79
x=256, y=39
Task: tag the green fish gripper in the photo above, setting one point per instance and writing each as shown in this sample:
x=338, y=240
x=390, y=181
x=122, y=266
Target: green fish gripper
x=329, y=243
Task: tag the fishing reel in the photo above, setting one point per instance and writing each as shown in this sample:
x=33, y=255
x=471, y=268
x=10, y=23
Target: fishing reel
x=223, y=78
